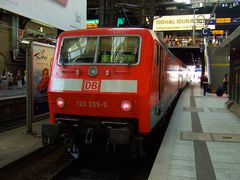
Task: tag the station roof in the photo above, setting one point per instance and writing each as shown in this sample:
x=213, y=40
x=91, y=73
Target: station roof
x=170, y=7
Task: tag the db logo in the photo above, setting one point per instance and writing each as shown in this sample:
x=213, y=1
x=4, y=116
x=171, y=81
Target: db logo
x=91, y=85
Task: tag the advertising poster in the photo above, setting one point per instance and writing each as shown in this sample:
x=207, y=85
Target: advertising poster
x=62, y=14
x=181, y=22
x=42, y=55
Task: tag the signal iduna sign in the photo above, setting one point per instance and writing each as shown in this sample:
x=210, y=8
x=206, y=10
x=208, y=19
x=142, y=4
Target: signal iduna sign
x=181, y=22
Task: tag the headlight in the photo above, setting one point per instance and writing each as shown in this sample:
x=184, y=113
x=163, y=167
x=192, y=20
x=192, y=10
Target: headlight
x=60, y=102
x=126, y=105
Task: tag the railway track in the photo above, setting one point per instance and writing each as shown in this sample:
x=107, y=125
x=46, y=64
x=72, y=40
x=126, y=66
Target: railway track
x=52, y=162
x=101, y=165
x=119, y=165
x=39, y=165
x=11, y=123
x=107, y=166
x=13, y=112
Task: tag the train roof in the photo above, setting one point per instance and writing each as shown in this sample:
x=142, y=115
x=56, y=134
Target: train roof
x=109, y=31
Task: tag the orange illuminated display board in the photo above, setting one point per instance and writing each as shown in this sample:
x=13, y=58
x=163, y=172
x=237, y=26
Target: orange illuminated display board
x=91, y=25
x=223, y=20
x=219, y=32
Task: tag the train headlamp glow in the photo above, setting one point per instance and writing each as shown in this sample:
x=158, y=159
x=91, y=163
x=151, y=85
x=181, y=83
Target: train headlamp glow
x=126, y=105
x=60, y=102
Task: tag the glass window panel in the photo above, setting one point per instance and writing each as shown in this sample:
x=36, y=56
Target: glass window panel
x=118, y=50
x=78, y=50
x=111, y=50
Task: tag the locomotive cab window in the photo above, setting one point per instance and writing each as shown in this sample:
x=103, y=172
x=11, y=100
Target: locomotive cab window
x=119, y=50
x=78, y=50
x=102, y=50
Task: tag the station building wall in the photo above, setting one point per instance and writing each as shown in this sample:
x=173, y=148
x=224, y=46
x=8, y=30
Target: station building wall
x=234, y=86
x=10, y=39
x=219, y=66
x=5, y=42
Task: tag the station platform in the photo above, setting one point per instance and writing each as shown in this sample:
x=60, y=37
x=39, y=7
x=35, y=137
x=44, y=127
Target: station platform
x=17, y=143
x=202, y=140
x=13, y=92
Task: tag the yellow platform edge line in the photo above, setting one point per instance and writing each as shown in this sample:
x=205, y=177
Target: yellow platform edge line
x=219, y=65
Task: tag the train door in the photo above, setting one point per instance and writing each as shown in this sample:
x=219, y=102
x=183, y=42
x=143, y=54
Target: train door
x=159, y=63
x=161, y=70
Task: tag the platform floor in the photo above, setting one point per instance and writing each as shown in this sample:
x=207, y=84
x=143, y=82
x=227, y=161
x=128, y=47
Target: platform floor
x=17, y=143
x=202, y=141
x=13, y=92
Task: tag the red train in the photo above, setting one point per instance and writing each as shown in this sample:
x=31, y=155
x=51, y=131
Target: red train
x=113, y=84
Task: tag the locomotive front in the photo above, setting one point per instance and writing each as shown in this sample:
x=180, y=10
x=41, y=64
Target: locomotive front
x=94, y=87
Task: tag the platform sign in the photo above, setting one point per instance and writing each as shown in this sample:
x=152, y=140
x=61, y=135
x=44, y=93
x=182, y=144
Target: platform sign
x=181, y=22
x=206, y=31
x=42, y=55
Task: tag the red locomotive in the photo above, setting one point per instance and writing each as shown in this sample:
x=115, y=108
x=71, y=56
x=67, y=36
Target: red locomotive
x=110, y=83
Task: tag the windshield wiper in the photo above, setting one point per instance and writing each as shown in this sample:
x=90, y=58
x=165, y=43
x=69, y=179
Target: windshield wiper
x=62, y=62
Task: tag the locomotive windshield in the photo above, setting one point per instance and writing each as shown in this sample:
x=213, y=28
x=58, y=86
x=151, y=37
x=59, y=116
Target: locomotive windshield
x=103, y=50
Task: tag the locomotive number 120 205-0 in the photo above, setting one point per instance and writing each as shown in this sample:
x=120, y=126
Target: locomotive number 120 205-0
x=113, y=84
